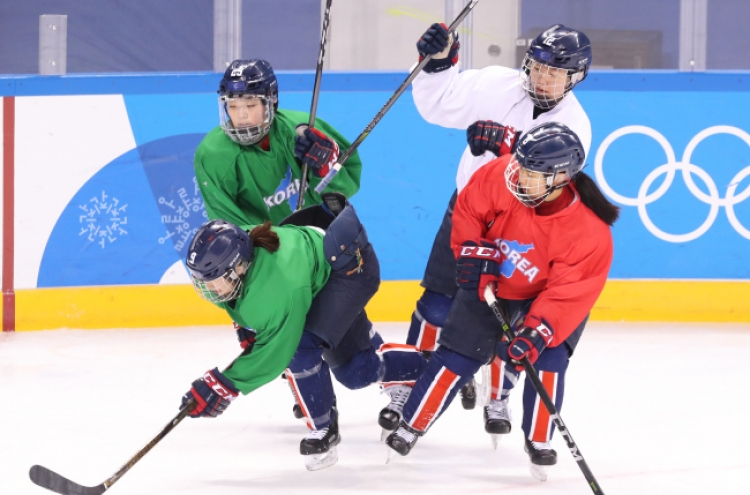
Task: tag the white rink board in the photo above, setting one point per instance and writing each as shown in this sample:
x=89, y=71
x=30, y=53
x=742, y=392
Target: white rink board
x=654, y=408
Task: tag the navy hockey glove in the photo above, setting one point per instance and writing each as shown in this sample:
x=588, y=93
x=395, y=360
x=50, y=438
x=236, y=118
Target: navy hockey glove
x=213, y=393
x=477, y=266
x=246, y=336
x=317, y=150
x=530, y=342
x=486, y=135
x=442, y=45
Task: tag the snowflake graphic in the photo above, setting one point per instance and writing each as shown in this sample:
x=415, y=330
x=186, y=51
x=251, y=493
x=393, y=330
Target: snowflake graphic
x=184, y=215
x=102, y=220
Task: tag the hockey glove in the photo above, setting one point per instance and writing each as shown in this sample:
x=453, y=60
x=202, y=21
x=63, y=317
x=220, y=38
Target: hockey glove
x=213, y=393
x=246, y=336
x=486, y=135
x=530, y=342
x=477, y=266
x=442, y=45
x=317, y=150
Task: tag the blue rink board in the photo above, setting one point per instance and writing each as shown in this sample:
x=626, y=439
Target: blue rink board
x=409, y=169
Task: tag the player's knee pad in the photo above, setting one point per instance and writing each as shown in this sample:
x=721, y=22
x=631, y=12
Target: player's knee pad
x=402, y=363
x=362, y=370
x=428, y=319
x=309, y=353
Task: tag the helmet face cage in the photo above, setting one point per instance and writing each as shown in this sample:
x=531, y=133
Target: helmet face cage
x=542, y=154
x=556, y=61
x=245, y=135
x=248, y=79
x=546, y=85
x=218, y=259
x=224, y=288
x=538, y=184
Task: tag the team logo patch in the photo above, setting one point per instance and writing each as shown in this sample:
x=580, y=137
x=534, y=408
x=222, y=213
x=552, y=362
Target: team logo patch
x=286, y=192
x=515, y=260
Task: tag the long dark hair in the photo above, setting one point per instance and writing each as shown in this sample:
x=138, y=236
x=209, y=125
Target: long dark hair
x=593, y=197
x=264, y=237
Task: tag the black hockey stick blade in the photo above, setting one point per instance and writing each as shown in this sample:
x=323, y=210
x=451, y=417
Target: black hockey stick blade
x=50, y=480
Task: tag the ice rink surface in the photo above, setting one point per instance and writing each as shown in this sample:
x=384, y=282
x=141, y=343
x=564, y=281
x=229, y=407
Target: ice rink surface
x=654, y=408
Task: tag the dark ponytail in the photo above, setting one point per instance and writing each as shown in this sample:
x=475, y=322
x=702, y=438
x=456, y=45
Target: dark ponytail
x=593, y=197
x=264, y=237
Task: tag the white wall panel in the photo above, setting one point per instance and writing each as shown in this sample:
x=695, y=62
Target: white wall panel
x=61, y=142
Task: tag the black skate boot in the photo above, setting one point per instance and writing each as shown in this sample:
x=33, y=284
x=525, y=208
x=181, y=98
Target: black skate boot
x=390, y=415
x=541, y=455
x=468, y=395
x=403, y=439
x=497, y=419
x=319, y=447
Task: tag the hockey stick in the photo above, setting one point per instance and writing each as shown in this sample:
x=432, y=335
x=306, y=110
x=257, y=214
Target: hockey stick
x=50, y=480
x=336, y=168
x=316, y=92
x=489, y=295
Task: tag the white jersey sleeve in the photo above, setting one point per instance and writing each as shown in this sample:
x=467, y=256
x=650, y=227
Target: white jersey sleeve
x=458, y=99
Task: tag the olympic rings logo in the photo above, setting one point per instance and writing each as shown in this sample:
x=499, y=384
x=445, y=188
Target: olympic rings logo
x=688, y=169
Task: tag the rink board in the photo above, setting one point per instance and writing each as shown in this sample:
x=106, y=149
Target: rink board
x=100, y=200
x=179, y=305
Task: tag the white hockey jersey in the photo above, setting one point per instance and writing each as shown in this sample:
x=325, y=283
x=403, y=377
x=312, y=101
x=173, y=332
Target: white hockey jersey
x=458, y=99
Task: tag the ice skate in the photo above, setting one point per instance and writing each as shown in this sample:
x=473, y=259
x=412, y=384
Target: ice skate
x=468, y=395
x=402, y=440
x=319, y=447
x=541, y=455
x=497, y=420
x=391, y=415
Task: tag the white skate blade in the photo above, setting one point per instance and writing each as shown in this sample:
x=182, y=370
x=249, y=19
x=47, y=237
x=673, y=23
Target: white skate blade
x=538, y=472
x=316, y=462
x=384, y=434
x=392, y=454
x=495, y=439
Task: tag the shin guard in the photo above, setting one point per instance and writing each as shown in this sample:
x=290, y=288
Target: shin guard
x=446, y=372
x=310, y=379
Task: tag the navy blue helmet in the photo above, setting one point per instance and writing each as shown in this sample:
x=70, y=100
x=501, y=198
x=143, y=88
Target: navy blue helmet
x=218, y=258
x=558, y=50
x=542, y=154
x=248, y=79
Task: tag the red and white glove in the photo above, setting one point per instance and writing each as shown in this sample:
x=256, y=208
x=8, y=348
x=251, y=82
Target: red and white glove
x=530, y=341
x=317, y=150
x=487, y=135
x=477, y=265
x=213, y=393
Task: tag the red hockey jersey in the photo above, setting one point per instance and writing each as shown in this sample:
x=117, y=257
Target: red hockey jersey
x=562, y=259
